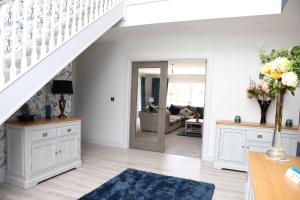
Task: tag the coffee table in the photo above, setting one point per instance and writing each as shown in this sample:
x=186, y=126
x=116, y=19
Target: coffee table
x=191, y=125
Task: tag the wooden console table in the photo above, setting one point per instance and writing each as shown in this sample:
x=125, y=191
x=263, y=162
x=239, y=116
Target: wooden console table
x=267, y=180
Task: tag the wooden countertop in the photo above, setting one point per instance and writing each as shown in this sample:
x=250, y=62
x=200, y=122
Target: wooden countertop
x=268, y=178
x=43, y=121
x=253, y=124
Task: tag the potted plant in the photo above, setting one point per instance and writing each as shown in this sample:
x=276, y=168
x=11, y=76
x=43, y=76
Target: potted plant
x=281, y=70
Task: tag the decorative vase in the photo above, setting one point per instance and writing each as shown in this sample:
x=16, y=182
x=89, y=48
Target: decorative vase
x=264, y=105
x=276, y=152
x=197, y=119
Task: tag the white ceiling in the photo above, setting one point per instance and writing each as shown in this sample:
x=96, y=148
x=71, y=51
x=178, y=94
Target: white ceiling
x=141, y=12
x=288, y=20
x=179, y=67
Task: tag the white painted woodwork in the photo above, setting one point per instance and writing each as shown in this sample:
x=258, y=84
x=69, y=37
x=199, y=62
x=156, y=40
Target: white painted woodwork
x=60, y=49
x=232, y=142
x=38, y=152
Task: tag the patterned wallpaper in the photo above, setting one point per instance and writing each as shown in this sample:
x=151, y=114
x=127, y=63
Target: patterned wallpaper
x=37, y=106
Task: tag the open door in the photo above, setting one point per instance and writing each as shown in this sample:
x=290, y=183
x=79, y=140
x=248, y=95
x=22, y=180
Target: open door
x=148, y=105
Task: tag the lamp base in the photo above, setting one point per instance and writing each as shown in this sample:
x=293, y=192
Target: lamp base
x=62, y=116
x=276, y=154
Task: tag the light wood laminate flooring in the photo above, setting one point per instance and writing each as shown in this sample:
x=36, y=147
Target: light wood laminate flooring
x=102, y=163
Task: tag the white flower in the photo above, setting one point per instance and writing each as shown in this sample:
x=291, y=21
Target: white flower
x=290, y=79
x=280, y=64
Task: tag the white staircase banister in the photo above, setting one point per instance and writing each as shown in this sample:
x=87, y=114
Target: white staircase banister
x=39, y=37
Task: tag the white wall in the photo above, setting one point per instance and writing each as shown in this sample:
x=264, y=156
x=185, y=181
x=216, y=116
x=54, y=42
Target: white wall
x=103, y=71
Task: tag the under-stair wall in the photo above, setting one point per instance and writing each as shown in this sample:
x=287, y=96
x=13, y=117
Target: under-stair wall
x=37, y=107
x=34, y=52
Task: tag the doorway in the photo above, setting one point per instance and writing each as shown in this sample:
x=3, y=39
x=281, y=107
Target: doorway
x=158, y=87
x=148, y=105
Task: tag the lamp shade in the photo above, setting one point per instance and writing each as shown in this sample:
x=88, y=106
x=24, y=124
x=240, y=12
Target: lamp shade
x=62, y=87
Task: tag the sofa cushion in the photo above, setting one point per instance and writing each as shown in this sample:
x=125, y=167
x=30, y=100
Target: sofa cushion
x=175, y=119
x=174, y=110
x=186, y=112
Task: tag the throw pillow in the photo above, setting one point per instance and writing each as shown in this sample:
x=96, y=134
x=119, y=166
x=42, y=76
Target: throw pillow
x=174, y=110
x=186, y=112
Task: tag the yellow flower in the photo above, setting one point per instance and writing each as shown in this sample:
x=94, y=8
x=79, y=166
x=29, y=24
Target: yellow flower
x=276, y=75
x=266, y=69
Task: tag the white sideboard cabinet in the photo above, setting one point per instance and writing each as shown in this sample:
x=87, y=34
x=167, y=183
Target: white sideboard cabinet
x=233, y=140
x=41, y=149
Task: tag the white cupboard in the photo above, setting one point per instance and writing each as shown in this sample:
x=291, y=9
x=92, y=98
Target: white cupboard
x=234, y=140
x=41, y=149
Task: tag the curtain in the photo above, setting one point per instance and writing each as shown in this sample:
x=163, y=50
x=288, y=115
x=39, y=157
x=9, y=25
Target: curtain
x=186, y=93
x=155, y=90
x=143, y=79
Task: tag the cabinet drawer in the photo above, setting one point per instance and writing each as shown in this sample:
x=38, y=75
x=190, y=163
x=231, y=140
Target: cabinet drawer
x=68, y=130
x=259, y=136
x=43, y=134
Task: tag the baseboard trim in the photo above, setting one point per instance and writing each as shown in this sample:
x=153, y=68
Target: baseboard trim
x=2, y=175
x=104, y=143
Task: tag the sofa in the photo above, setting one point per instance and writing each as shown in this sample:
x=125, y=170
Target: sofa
x=149, y=120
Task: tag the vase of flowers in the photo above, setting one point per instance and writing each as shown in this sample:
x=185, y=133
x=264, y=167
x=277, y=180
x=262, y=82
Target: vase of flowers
x=281, y=71
x=263, y=95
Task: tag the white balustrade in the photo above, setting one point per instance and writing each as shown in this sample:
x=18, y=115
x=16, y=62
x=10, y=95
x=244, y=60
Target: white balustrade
x=31, y=29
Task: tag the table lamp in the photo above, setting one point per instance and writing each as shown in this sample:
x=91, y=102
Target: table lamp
x=62, y=87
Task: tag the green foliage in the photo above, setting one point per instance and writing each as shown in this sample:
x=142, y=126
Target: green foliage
x=296, y=67
x=295, y=52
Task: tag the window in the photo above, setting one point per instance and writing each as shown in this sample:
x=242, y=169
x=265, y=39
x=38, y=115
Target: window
x=182, y=93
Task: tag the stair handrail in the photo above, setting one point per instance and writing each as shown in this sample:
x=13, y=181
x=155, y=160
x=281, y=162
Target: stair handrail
x=32, y=29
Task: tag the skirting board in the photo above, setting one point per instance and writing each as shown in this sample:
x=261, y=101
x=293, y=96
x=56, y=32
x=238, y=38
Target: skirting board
x=2, y=175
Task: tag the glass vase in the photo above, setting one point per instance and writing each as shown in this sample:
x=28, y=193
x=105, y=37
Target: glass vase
x=276, y=152
x=264, y=105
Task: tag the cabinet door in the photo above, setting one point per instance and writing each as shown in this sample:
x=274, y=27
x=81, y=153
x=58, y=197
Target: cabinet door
x=232, y=145
x=69, y=147
x=289, y=144
x=43, y=155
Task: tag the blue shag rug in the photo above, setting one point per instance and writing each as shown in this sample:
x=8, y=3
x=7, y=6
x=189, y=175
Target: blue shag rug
x=133, y=184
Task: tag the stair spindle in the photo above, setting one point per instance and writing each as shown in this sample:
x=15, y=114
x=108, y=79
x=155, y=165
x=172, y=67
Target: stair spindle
x=52, y=26
x=91, y=16
x=80, y=20
x=74, y=14
x=34, y=32
x=13, y=67
x=60, y=24
x=2, y=80
x=97, y=9
x=44, y=33
x=67, y=27
x=86, y=6
x=24, y=37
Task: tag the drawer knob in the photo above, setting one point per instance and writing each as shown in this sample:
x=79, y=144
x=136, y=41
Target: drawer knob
x=45, y=134
x=259, y=136
x=69, y=129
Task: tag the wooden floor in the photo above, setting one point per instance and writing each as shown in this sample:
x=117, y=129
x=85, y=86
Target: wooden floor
x=102, y=163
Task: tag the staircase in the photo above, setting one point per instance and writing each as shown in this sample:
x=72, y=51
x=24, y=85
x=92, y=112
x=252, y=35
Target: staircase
x=38, y=38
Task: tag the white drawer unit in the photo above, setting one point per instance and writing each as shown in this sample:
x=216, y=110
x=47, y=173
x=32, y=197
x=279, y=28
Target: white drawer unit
x=42, y=149
x=234, y=140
